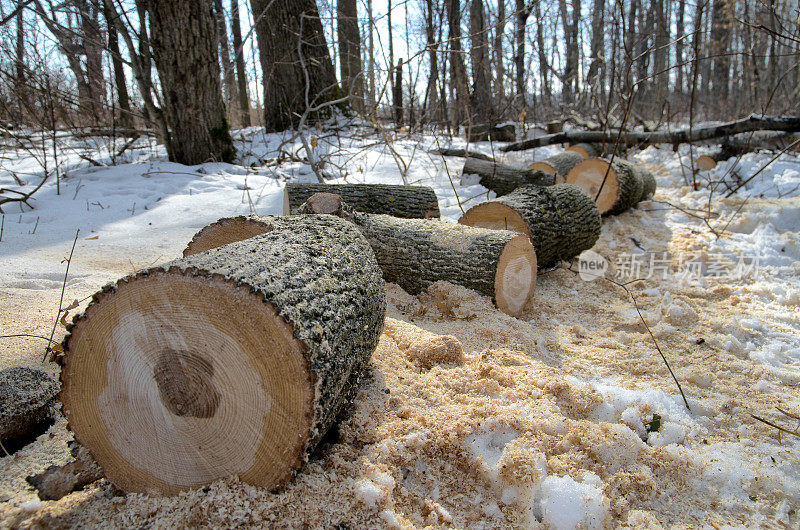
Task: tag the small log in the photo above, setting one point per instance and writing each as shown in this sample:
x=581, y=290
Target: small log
x=399, y=201
x=615, y=186
x=561, y=220
x=554, y=127
x=233, y=361
x=414, y=253
x=503, y=179
x=496, y=133
x=462, y=153
x=57, y=482
x=587, y=150
x=648, y=182
x=558, y=165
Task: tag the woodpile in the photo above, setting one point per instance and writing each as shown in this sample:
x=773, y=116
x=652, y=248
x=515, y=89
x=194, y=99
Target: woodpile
x=561, y=220
x=414, y=253
x=615, y=186
x=400, y=201
x=500, y=178
x=558, y=165
x=233, y=361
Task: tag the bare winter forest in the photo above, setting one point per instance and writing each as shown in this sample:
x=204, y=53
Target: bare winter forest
x=400, y=264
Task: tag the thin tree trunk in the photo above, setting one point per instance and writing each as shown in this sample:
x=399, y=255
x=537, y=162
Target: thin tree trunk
x=499, y=57
x=296, y=65
x=92, y=48
x=570, y=22
x=350, y=52
x=431, y=95
x=371, y=56
x=522, y=12
x=20, y=59
x=241, y=75
x=721, y=25
x=125, y=117
x=225, y=56
x=679, y=24
x=398, y=94
x=597, y=60
x=660, y=53
x=185, y=52
x=544, y=66
x=480, y=100
x=458, y=72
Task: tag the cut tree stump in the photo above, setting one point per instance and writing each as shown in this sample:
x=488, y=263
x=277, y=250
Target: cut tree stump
x=234, y=361
x=497, y=133
x=615, y=186
x=558, y=165
x=586, y=150
x=414, y=202
x=500, y=178
x=561, y=220
x=414, y=253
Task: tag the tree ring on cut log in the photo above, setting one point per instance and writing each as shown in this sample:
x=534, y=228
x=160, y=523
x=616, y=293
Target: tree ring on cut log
x=176, y=380
x=225, y=231
x=515, y=278
x=589, y=175
x=496, y=216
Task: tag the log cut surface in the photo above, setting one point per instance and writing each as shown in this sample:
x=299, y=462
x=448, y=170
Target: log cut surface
x=234, y=361
x=558, y=165
x=615, y=186
x=413, y=202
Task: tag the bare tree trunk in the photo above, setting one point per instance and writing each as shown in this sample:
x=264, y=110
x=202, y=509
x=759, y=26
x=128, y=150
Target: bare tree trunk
x=431, y=94
x=480, y=100
x=660, y=53
x=185, y=52
x=721, y=25
x=522, y=12
x=398, y=94
x=544, y=67
x=679, y=24
x=458, y=72
x=499, y=58
x=241, y=75
x=225, y=57
x=125, y=116
x=391, y=46
x=295, y=62
x=570, y=21
x=350, y=52
x=20, y=59
x=92, y=48
x=371, y=56
x=597, y=60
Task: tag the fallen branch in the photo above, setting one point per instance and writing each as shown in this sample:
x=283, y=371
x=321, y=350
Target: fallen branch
x=749, y=124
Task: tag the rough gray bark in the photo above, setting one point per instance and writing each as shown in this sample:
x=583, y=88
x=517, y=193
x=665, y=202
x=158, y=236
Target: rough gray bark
x=597, y=61
x=648, y=182
x=562, y=220
x=462, y=153
x=559, y=165
x=320, y=276
x=399, y=201
x=458, y=72
x=749, y=124
x=125, y=116
x=350, y=52
x=297, y=68
x=481, y=132
x=397, y=94
x=433, y=112
x=481, y=96
x=523, y=12
x=241, y=76
x=225, y=55
x=631, y=187
x=185, y=53
x=26, y=405
x=503, y=179
x=499, y=58
x=721, y=25
x=570, y=20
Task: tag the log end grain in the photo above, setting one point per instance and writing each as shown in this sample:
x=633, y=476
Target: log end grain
x=597, y=178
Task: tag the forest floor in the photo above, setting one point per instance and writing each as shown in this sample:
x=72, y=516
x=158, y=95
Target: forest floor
x=566, y=416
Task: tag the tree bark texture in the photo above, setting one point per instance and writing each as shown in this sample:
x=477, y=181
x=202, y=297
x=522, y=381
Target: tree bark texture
x=399, y=201
x=241, y=76
x=503, y=179
x=185, y=53
x=350, y=52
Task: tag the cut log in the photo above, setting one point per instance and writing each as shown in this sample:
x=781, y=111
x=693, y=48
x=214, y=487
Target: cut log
x=648, y=182
x=554, y=127
x=461, y=153
x=233, y=361
x=611, y=136
x=399, y=201
x=587, y=150
x=496, y=133
x=500, y=178
x=414, y=253
x=558, y=165
x=561, y=220
x=615, y=187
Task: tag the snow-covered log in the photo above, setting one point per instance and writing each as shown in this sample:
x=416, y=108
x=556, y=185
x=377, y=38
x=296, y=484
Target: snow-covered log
x=399, y=201
x=561, y=220
x=234, y=361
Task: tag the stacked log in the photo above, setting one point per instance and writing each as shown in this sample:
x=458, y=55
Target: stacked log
x=414, y=253
x=561, y=220
x=615, y=186
x=233, y=361
x=500, y=178
x=558, y=165
x=400, y=201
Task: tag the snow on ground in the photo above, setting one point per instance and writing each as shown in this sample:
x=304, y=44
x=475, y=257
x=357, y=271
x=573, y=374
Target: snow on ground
x=565, y=417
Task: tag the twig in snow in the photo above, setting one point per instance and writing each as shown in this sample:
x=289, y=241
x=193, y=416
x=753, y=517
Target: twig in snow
x=61, y=300
x=36, y=225
x=2, y=226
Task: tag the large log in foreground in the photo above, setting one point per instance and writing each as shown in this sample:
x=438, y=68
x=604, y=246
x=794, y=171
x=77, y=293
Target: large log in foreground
x=234, y=361
x=561, y=220
x=500, y=178
x=414, y=253
x=612, y=136
x=413, y=202
x=558, y=165
x=615, y=186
